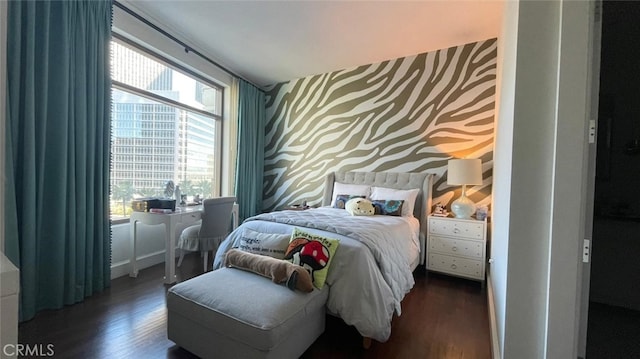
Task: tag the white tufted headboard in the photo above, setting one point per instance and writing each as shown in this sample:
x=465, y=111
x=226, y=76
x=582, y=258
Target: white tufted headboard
x=422, y=181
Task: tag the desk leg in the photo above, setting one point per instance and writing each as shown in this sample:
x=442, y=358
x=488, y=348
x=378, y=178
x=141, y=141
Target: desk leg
x=170, y=253
x=235, y=214
x=133, y=270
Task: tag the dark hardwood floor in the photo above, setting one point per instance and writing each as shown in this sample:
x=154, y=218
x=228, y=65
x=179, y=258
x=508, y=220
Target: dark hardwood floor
x=443, y=317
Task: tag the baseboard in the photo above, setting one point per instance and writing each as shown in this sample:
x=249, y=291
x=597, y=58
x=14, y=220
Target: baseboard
x=493, y=323
x=121, y=269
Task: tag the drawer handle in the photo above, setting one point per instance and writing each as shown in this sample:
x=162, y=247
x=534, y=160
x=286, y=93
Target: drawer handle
x=454, y=249
x=456, y=230
x=453, y=266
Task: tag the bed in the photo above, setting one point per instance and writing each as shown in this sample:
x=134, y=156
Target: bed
x=371, y=270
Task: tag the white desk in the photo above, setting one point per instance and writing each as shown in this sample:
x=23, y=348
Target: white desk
x=186, y=215
x=183, y=215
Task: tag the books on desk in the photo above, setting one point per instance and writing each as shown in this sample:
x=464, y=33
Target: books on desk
x=147, y=204
x=160, y=210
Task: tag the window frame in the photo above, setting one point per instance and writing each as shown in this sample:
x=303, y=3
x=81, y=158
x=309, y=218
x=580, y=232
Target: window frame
x=217, y=118
x=174, y=65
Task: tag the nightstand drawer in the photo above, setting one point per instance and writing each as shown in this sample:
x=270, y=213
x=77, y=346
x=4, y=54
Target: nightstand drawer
x=458, y=228
x=457, y=247
x=457, y=266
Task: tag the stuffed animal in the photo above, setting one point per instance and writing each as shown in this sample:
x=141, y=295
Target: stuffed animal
x=360, y=207
x=294, y=276
x=440, y=210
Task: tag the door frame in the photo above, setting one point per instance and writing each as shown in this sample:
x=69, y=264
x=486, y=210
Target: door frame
x=582, y=305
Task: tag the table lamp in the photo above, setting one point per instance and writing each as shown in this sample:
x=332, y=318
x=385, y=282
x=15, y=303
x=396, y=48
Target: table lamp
x=464, y=172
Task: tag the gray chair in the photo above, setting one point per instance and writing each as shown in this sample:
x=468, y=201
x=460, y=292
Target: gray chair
x=207, y=236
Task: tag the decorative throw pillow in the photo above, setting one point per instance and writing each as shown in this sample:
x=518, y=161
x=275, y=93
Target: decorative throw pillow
x=342, y=199
x=352, y=189
x=360, y=207
x=408, y=196
x=388, y=207
x=266, y=244
x=312, y=252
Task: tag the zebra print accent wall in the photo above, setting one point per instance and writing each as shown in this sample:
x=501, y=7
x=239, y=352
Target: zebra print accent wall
x=410, y=114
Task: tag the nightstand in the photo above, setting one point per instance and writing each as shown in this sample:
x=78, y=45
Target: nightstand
x=457, y=247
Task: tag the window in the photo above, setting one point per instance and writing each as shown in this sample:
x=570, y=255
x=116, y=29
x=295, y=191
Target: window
x=165, y=125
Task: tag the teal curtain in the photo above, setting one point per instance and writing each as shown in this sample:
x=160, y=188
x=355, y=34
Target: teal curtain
x=57, y=150
x=250, y=160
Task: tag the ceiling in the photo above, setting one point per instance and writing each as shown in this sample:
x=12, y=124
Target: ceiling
x=268, y=42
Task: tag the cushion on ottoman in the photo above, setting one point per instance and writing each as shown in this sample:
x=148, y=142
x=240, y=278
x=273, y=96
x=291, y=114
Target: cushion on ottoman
x=243, y=314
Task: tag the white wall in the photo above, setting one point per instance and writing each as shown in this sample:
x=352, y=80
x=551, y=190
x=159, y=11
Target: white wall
x=150, y=242
x=538, y=193
x=502, y=157
x=128, y=26
x=3, y=94
x=570, y=180
x=531, y=179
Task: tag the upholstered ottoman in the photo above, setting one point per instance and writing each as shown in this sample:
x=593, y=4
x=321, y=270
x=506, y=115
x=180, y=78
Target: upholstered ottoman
x=230, y=313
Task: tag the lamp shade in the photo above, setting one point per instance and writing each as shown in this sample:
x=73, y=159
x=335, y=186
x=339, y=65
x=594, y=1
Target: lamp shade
x=464, y=171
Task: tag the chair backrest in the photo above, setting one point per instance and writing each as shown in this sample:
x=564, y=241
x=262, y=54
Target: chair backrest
x=216, y=217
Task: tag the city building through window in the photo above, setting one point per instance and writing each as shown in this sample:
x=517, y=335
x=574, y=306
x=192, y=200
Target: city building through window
x=165, y=126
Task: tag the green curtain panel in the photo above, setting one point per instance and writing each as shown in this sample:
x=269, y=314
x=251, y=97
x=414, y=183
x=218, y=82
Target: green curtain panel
x=58, y=150
x=250, y=161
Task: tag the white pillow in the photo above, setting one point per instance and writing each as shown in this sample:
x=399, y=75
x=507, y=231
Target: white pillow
x=350, y=189
x=407, y=195
x=266, y=244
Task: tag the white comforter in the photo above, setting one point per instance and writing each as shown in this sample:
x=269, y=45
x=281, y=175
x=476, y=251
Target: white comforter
x=371, y=270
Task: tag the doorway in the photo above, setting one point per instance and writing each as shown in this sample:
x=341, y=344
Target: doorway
x=614, y=302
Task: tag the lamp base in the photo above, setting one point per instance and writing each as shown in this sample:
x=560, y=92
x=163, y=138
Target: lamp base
x=463, y=207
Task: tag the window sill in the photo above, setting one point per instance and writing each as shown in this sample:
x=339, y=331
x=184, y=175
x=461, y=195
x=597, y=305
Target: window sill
x=119, y=221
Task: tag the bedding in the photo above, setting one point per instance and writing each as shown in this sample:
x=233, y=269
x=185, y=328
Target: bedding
x=342, y=199
x=388, y=207
x=266, y=244
x=312, y=252
x=371, y=271
x=407, y=196
x=351, y=190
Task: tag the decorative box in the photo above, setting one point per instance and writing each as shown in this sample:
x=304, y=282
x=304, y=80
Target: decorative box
x=145, y=204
